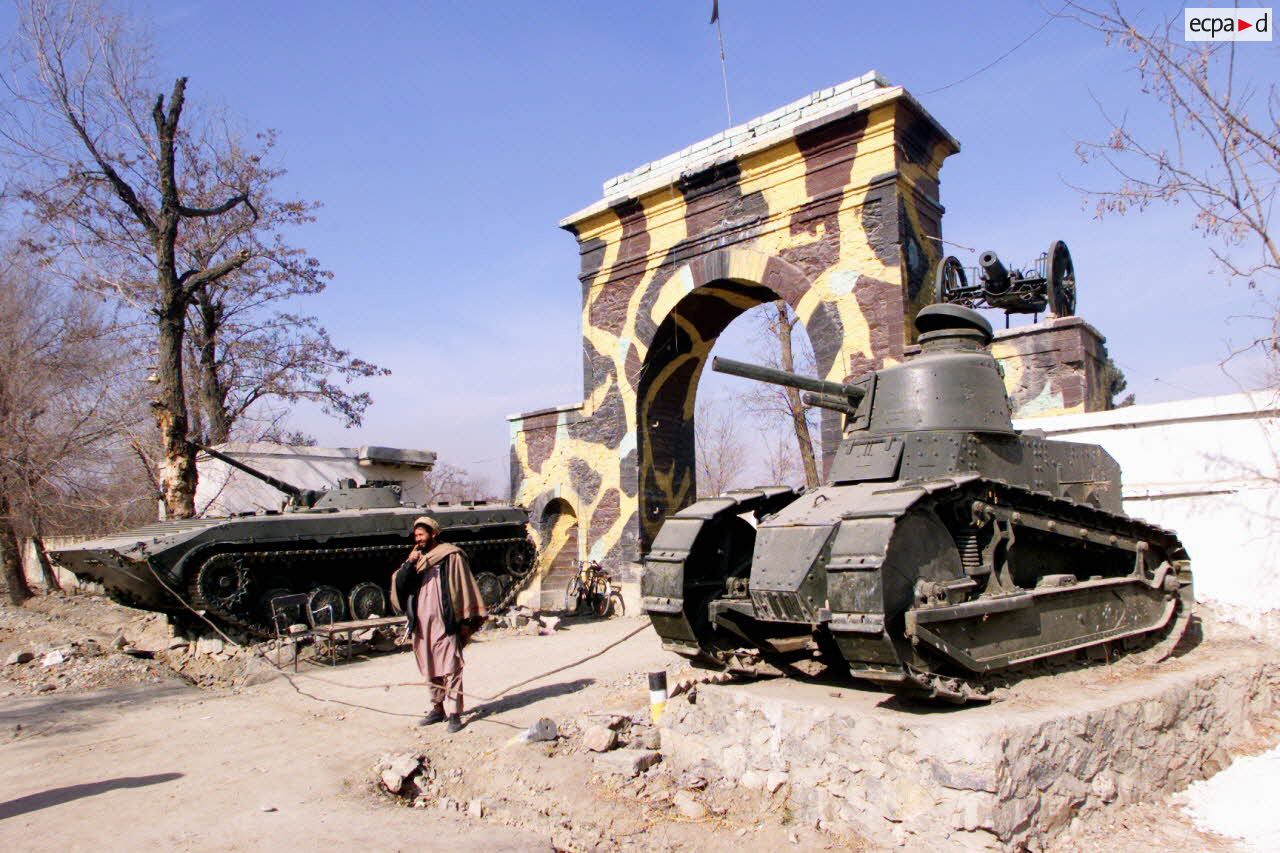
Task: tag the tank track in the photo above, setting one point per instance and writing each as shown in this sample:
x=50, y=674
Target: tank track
x=260, y=559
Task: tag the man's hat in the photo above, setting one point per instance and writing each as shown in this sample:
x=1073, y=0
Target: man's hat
x=427, y=522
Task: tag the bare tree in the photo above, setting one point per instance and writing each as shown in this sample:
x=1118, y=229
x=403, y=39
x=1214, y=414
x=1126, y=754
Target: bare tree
x=776, y=348
x=719, y=450
x=106, y=183
x=446, y=483
x=61, y=411
x=1218, y=152
x=243, y=350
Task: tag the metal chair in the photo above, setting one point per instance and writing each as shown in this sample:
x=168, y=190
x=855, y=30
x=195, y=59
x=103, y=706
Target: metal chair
x=284, y=608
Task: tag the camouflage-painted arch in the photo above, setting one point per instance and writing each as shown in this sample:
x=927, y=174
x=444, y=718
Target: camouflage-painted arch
x=837, y=214
x=723, y=285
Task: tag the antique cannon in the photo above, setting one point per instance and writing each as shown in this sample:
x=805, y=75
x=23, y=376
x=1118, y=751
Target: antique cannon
x=1049, y=284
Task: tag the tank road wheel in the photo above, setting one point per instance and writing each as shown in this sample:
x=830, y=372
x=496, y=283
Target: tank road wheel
x=517, y=558
x=264, y=608
x=950, y=279
x=367, y=601
x=222, y=584
x=490, y=588
x=1060, y=275
x=323, y=601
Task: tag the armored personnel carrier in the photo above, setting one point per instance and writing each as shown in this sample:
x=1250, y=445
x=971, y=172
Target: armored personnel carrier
x=944, y=552
x=339, y=546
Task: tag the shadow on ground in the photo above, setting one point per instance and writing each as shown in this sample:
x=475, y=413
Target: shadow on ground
x=69, y=793
x=528, y=697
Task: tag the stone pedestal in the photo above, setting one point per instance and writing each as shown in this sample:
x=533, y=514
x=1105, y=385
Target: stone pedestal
x=1009, y=774
x=1055, y=367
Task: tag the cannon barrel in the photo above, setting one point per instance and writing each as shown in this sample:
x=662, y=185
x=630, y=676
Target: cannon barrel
x=852, y=393
x=288, y=488
x=994, y=272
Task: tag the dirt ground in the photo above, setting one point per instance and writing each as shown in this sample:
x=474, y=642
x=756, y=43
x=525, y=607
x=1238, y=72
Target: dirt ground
x=127, y=752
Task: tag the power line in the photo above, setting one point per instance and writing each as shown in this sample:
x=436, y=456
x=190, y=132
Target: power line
x=1004, y=55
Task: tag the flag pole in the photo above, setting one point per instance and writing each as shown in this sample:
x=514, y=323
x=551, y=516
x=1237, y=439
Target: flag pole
x=724, y=75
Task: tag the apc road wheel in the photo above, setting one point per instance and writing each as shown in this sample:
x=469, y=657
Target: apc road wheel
x=326, y=604
x=367, y=601
x=490, y=588
x=264, y=608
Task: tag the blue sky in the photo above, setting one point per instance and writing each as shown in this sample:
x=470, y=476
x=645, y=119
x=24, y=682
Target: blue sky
x=446, y=139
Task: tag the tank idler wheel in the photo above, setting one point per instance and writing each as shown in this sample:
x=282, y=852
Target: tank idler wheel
x=367, y=601
x=222, y=583
x=326, y=604
x=517, y=558
x=490, y=588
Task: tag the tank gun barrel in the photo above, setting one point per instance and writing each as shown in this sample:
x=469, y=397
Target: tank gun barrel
x=288, y=488
x=838, y=392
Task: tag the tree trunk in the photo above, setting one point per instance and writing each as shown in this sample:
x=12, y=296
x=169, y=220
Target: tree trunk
x=178, y=467
x=213, y=395
x=804, y=441
x=47, y=574
x=16, y=589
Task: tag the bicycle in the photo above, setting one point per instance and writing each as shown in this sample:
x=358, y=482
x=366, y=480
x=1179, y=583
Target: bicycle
x=591, y=589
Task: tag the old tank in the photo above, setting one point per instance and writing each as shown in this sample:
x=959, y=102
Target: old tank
x=338, y=545
x=945, y=552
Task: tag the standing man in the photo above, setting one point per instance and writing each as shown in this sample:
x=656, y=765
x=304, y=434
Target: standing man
x=435, y=589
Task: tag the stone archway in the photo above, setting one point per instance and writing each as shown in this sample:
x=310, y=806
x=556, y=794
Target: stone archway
x=724, y=285
x=559, y=555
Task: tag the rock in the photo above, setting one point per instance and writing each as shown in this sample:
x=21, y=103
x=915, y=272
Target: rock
x=298, y=629
x=54, y=658
x=396, y=768
x=627, y=762
x=176, y=643
x=119, y=642
x=650, y=738
x=269, y=809
x=693, y=781
x=753, y=779
x=687, y=805
x=774, y=781
x=549, y=624
x=543, y=730
x=475, y=808
x=600, y=739
x=520, y=621
x=209, y=646
x=19, y=657
x=47, y=687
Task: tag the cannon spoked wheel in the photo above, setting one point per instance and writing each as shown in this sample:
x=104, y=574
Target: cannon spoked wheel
x=950, y=278
x=1061, y=280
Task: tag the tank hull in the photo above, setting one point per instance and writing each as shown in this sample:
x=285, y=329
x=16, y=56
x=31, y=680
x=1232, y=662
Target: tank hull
x=158, y=567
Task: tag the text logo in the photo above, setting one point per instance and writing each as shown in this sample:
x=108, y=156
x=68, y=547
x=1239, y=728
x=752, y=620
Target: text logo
x=1227, y=24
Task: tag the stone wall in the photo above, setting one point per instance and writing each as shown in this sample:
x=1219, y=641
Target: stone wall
x=1054, y=367
x=1010, y=775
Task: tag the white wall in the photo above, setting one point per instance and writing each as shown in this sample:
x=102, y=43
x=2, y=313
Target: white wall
x=1207, y=469
x=223, y=490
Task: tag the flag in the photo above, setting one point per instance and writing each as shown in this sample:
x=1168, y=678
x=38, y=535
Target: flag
x=715, y=11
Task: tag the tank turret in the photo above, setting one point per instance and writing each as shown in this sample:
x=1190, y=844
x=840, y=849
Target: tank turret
x=944, y=548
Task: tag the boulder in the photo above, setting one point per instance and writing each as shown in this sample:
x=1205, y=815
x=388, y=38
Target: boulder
x=600, y=739
x=19, y=657
x=688, y=805
x=543, y=730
